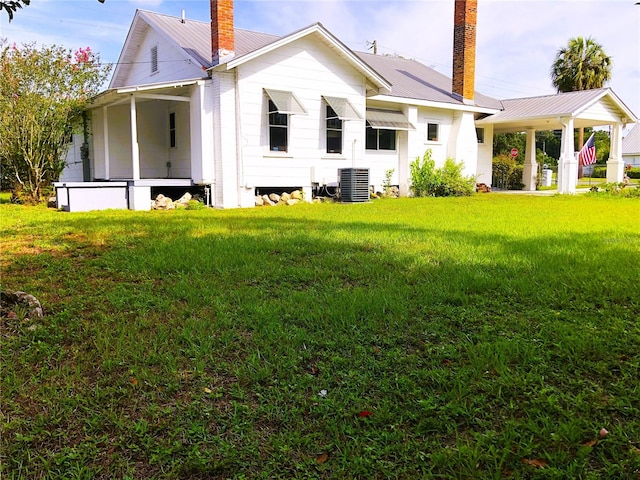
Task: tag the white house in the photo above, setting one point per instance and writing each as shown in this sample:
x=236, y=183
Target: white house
x=631, y=147
x=239, y=113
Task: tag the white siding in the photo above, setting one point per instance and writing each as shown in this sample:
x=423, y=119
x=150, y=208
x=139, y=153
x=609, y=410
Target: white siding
x=119, y=142
x=73, y=161
x=604, y=110
x=227, y=183
x=172, y=63
x=485, y=156
x=309, y=69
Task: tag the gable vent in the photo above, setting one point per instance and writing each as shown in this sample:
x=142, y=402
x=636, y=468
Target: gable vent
x=154, y=59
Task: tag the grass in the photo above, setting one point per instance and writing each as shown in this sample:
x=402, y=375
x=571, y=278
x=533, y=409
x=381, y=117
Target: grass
x=483, y=337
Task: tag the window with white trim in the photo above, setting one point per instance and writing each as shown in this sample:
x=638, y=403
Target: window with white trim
x=380, y=138
x=334, y=131
x=433, y=132
x=278, y=129
x=154, y=59
x=172, y=130
x=280, y=105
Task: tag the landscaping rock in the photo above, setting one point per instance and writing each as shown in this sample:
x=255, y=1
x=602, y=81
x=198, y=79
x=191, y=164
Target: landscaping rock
x=268, y=202
x=274, y=197
x=184, y=199
x=259, y=201
x=162, y=202
x=297, y=195
x=11, y=299
x=285, y=197
x=292, y=201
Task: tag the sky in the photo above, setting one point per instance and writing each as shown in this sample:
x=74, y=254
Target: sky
x=517, y=40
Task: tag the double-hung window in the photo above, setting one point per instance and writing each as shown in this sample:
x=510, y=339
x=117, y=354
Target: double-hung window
x=278, y=129
x=281, y=105
x=334, y=131
x=337, y=111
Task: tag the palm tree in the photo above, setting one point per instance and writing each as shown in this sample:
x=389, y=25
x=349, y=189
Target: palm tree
x=581, y=65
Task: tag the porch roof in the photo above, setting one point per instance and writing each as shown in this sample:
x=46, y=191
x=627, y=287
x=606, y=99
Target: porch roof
x=588, y=108
x=178, y=91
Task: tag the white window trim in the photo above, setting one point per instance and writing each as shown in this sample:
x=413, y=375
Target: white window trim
x=426, y=132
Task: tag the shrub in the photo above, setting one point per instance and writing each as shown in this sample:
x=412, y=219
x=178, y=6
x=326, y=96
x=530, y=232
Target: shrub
x=615, y=190
x=429, y=181
x=599, y=171
x=507, y=173
x=633, y=172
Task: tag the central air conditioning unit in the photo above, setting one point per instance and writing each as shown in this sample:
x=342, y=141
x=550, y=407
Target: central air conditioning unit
x=354, y=184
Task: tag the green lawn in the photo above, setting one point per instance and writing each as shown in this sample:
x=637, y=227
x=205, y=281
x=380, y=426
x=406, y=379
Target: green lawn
x=484, y=337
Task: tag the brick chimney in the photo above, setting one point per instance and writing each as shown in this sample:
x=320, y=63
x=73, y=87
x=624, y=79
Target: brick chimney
x=464, y=49
x=222, y=36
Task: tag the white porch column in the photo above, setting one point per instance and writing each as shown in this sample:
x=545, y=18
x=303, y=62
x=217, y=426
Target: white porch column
x=530, y=167
x=567, y=164
x=105, y=131
x=135, y=151
x=615, y=164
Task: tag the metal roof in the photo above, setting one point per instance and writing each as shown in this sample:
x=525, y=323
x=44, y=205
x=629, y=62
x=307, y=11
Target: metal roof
x=285, y=102
x=631, y=143
x=194, y=36
x=588, y=108
x=409, y=78
x=388, y=120
x=412, y=79
x=342, y=108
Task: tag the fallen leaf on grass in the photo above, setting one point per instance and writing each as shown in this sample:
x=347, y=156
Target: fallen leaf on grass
x=322, y=393
x=590, y=443
x=207, y=390
x=603, y=432
x=635, y=450
x=134, y=381
x=535, y=462
x=364, y=413
x=323, y=457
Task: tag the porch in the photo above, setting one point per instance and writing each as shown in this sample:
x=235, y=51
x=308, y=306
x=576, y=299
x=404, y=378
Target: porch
x=144, y=139
x=565, y=112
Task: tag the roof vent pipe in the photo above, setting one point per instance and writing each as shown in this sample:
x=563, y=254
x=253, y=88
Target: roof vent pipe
x=183, y=17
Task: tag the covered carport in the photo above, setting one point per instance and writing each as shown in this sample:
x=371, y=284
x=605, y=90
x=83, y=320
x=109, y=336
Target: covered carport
x=566, y=112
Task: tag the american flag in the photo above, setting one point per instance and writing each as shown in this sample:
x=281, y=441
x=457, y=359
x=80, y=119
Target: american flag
x=587, y=154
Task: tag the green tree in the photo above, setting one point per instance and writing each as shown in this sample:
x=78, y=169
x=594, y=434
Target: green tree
x=12, y=6
x=42, y=95
x=581, y=65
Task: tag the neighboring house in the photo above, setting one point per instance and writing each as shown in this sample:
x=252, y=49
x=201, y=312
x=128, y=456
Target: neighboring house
x=631, y=147
x=241, y=113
